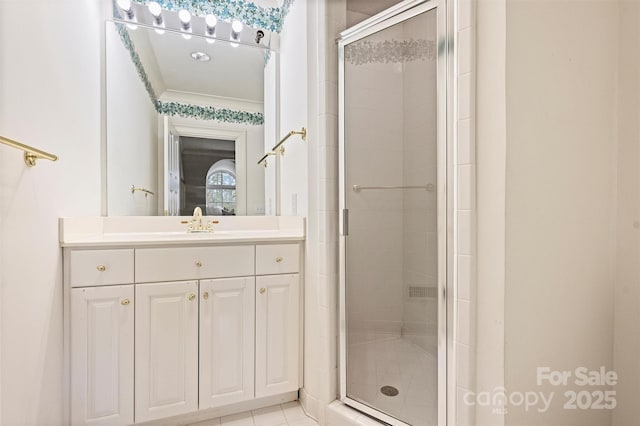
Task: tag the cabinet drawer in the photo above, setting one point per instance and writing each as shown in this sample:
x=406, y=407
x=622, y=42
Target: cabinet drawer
x=277, y=259
x=100, y=267
x=193, y=263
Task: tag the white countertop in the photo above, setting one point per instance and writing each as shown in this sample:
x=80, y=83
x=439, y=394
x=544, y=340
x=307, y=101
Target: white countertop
x=168, y=231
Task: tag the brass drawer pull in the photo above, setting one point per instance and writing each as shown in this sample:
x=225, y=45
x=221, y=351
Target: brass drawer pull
x=279, y=259
x=262, y=290
x=101, y=268
x=124, y=302
x=198, y=263
x=192, y=297
x=205, y=296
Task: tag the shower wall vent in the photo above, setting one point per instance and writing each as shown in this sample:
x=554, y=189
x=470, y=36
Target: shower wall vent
x=423, y=292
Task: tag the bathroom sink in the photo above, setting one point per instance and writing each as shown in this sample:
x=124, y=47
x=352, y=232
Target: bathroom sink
x=167, y=230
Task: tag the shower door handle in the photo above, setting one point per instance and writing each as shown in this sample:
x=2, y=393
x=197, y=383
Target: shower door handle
x=345, y=222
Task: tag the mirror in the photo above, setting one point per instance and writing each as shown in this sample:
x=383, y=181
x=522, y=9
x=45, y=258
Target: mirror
x=186, y=121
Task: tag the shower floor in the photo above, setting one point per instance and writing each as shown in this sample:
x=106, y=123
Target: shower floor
x=397, y=362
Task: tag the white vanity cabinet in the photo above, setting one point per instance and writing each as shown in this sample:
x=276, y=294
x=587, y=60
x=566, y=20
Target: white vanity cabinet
x=166, y=360
x=204, y=326
x=277, y=319
x=227, y=322
x=102, y=345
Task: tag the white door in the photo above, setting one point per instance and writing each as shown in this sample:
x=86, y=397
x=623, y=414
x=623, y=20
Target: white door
x=171, y=168
x=102, y=355
x=227, y=315
x=166, y=349
x=277, y=331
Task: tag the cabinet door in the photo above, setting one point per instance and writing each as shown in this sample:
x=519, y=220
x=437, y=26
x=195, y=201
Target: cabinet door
x=277, y=326
x=102, y=355
x=227, y=315
x=166, y=349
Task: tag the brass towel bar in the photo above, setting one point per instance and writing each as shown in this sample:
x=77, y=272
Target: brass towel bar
x=427, y=187
x=264, y=158
x=146, y=191
x=30, y=154
x=279, y=148
x=302, y=132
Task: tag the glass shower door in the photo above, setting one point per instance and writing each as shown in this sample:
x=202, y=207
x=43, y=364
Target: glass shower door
x=393, y=246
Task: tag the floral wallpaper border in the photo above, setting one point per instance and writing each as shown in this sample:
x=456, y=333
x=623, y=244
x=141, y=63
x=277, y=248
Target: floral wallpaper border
x=390, y=51
x=180, y=109
x=135, y=58
x=210, y=113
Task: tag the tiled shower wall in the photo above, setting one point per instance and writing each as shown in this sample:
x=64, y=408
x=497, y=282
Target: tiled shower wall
x=375, y=249
x=419, y=209
x=465, y=211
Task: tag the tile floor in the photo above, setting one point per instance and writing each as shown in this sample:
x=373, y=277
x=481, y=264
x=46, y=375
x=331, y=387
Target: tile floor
x=289, y=414
x=400, y=363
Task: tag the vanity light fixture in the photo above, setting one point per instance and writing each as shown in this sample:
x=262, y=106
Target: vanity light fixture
x=200, y=56
x=236, y=29
x=211, y=21
x=156, y=11
x=185, y=23
x=129, y=14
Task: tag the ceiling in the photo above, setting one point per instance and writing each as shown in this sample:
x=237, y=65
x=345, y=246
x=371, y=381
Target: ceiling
x=232, y=72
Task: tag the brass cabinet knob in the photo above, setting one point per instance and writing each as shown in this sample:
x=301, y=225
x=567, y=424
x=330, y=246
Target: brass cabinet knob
x=101, y=268
x=124, y=302
x=198, y=263
x=192, y=297
x=205, y=296
x=262, y=290
x=279, y=259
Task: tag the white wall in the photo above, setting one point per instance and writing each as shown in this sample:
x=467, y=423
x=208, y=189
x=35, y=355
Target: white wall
x=50, y=60
x=293, y=111
x=132, y=134
x=627, y=291
x=560, y=197
x=491, y=174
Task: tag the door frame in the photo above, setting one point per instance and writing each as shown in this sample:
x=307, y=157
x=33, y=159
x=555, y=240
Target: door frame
x=445, y=213
x=211, y=130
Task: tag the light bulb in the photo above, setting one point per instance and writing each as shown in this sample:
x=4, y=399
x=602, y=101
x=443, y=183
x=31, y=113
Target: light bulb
x=211, y=21
x=186, y=36
x=237, y=26
x=185, y=16
x=211, y=40
x=185, y=21
x=234, y=44
x=124, y=5
x=155, y=9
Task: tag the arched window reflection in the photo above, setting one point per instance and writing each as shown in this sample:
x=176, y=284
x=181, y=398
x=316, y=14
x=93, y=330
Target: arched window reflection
x=221, y=188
